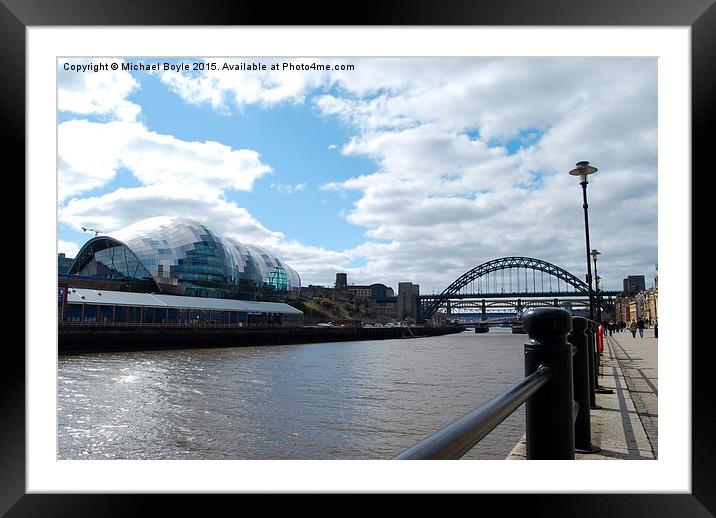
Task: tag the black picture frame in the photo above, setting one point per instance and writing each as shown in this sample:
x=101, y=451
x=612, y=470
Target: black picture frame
x=699, y=15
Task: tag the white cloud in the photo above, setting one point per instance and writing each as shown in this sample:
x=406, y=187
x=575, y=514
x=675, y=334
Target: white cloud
x=119, y=208
x=177, y=177
x=223, y=89
x=471, y=159
x=448, y=195
x=103, y=92
x=315, y=265
x=123, y=207
x=287, y=188
x=90, y=154
x=69, y=248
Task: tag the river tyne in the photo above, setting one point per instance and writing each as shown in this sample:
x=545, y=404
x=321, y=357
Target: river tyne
x=345, y=400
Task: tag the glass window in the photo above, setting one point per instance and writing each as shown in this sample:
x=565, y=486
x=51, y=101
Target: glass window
x=90, y=314
x=73, y=312
x=154, y=315
x=133, y=314
x=120, y=314
x=108, y=259
x=106, y=313
x=187, y=258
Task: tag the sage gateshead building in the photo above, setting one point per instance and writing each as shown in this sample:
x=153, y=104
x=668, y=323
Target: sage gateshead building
x=181, y=257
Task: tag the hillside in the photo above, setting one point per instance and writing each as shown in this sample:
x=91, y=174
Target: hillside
x=327, y=310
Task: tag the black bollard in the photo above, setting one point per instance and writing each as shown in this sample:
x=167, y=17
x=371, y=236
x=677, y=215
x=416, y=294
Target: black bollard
x=592, y=366
x=550, y=412
x=580, y=368
x=598, y=389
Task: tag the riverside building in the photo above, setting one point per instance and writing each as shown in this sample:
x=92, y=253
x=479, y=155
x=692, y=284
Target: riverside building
x=177, y=265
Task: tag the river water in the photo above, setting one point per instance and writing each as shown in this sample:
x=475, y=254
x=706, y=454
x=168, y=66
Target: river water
x=347, y=400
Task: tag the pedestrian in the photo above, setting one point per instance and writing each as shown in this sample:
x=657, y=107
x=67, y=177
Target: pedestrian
x=633, y=328
x=640, y=326
x=610, y=326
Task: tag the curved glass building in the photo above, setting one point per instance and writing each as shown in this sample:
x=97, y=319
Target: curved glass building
x=180, y=256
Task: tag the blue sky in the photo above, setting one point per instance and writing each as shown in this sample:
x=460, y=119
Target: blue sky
x=400, y=170
x=293, y=138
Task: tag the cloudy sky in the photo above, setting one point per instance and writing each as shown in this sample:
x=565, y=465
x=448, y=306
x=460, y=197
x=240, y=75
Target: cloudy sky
x=397, y=170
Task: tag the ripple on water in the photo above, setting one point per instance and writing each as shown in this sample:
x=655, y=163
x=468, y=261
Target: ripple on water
x=358, y=400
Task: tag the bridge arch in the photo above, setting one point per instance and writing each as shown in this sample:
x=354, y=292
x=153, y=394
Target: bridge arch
x=504, y=263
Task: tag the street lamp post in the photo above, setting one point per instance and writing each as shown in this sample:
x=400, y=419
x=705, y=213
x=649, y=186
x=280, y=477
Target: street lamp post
x=594, y=254
x=583, y=170
x=597, y=293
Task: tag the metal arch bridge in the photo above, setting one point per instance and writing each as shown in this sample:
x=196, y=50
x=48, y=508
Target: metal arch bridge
x=503, y=278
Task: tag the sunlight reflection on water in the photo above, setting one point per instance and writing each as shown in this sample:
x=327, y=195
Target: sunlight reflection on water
x=348, y=400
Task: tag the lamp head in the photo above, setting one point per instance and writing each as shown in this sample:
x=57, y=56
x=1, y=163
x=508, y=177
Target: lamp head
x=582, y=170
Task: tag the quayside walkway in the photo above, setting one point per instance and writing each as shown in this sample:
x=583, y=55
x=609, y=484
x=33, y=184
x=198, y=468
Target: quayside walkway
x=626, y=425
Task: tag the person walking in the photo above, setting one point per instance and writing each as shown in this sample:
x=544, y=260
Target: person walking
x=640, y=326
x=610, y=326
x=633, y=328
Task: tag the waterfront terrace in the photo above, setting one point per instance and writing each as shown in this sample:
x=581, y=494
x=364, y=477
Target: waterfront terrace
x=86, y=306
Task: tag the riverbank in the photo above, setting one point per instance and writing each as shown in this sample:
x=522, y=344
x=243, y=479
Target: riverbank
x=79, y=339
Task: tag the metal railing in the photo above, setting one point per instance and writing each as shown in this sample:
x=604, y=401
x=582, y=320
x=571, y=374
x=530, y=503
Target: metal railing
x=556, y=391
x=460, y=436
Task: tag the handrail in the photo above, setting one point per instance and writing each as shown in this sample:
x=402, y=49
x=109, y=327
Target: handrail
x=460, y=436
x=555, y=390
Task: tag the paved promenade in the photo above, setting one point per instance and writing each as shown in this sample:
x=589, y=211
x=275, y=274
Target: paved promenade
x=626, y=426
